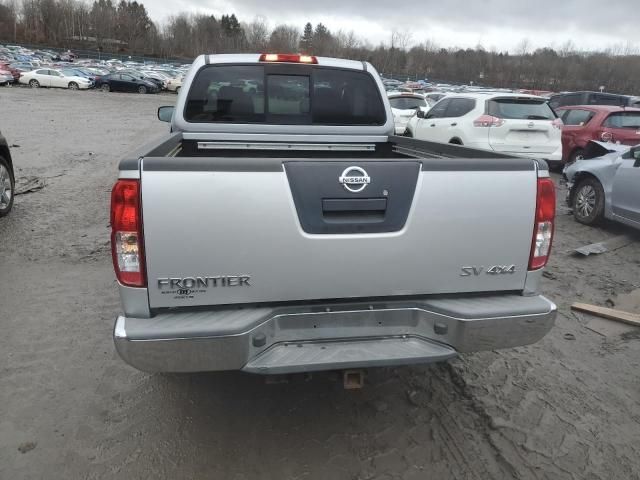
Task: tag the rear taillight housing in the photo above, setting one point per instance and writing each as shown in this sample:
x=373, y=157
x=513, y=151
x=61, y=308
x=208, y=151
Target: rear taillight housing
x=557, y=123
x=126, y=233
x=544, y=224
x=488, y=121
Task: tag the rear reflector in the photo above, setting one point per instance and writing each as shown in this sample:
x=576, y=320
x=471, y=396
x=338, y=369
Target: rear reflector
x=544, y=224
x=488, y=121
x=288, y=58
x=126, y=233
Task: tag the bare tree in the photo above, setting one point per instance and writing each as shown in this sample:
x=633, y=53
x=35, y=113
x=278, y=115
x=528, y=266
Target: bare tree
x=284, y=38
x=257, y=34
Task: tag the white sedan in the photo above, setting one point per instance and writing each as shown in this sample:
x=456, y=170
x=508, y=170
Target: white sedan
x=404, y=106
x=47, y=77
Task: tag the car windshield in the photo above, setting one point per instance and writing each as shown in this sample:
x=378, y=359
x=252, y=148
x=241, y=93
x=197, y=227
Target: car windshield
x=407, y=103
x=521, y=109
x=623, y=120
x=310, y=95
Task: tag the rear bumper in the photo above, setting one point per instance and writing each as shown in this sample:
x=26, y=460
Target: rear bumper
x=329, y=337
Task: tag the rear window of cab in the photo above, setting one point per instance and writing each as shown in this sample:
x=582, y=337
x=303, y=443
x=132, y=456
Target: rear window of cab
x=253, y=94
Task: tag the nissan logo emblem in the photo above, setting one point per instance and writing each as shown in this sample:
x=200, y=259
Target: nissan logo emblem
x=354, y=179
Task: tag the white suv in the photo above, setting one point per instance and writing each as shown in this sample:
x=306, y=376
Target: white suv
x=502, y=122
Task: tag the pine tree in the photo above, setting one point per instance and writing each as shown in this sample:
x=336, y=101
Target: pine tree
x=306, y=42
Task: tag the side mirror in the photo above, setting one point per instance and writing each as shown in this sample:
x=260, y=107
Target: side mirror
x=165, y=113
x=420, y=113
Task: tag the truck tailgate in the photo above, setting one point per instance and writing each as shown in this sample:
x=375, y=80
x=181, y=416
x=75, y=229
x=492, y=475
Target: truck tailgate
x=248, y=230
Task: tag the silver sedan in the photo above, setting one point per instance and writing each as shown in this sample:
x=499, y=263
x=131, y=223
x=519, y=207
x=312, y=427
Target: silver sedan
x=606, y=184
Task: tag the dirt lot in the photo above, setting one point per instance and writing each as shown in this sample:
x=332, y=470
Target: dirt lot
x=565, y=408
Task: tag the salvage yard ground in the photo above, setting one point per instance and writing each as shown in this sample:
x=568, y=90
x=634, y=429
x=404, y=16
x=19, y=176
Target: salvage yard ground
x=565, y=408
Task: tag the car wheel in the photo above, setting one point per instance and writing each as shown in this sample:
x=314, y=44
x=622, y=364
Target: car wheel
x=588, y=201
x=105, y=87
x=407, y=133
x=142, y=89
x=73, y=86
x=34, y=83
x=177, y=90
x=455, y=141
x=577, y=154
x=7, y=187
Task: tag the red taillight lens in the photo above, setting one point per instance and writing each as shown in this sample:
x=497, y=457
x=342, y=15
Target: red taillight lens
x=488, y=121
x=126, y=233
x=543, y=227
x=288, y=58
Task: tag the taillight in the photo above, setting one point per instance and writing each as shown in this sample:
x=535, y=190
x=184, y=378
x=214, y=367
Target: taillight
x=488, y=121
x=557, y=123
x=126, y=233
x=543, y=227
x=288, y=58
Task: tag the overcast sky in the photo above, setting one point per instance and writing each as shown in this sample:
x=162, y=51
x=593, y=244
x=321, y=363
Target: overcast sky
x=500, y=24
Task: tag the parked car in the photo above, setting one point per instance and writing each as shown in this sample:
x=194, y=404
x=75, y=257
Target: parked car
x=592, y=98
x=5, y=77
x=403, y=107
x=7, y=179
x=403, y=255
x=124, y=82
x=14, y=71
x=605, y=184
x=174, y=84
x=503, y=122
x=583, y=123
x=48, y=77
x=137, y=74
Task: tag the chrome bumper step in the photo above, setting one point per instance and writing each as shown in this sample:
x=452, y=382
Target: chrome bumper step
x=297, y=357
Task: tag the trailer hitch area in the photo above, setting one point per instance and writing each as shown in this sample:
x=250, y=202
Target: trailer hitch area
x=353, y=379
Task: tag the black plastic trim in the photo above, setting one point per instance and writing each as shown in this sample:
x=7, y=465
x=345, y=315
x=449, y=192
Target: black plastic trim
x=129, y=164
x=382, y=206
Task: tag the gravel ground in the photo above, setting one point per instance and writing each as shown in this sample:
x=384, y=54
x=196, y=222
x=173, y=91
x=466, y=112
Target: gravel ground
x=565, y=408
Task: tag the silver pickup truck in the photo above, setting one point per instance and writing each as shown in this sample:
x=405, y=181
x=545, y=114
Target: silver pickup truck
x=280, y=227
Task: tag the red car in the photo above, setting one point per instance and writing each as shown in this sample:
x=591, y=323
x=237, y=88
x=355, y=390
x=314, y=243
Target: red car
x=604, y=123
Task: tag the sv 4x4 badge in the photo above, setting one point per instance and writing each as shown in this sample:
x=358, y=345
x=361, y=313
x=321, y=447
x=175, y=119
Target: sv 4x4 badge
x=494, y=270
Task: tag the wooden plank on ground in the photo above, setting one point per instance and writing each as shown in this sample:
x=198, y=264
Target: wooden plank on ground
x=610, y=313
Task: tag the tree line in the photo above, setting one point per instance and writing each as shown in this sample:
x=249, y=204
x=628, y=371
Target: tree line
x=126, y=27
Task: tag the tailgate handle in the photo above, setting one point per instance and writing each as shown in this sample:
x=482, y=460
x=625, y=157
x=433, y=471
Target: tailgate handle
x=353, y=210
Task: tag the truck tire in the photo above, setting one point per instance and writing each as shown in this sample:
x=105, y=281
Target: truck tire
x=588, y=201
x=7, y=187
